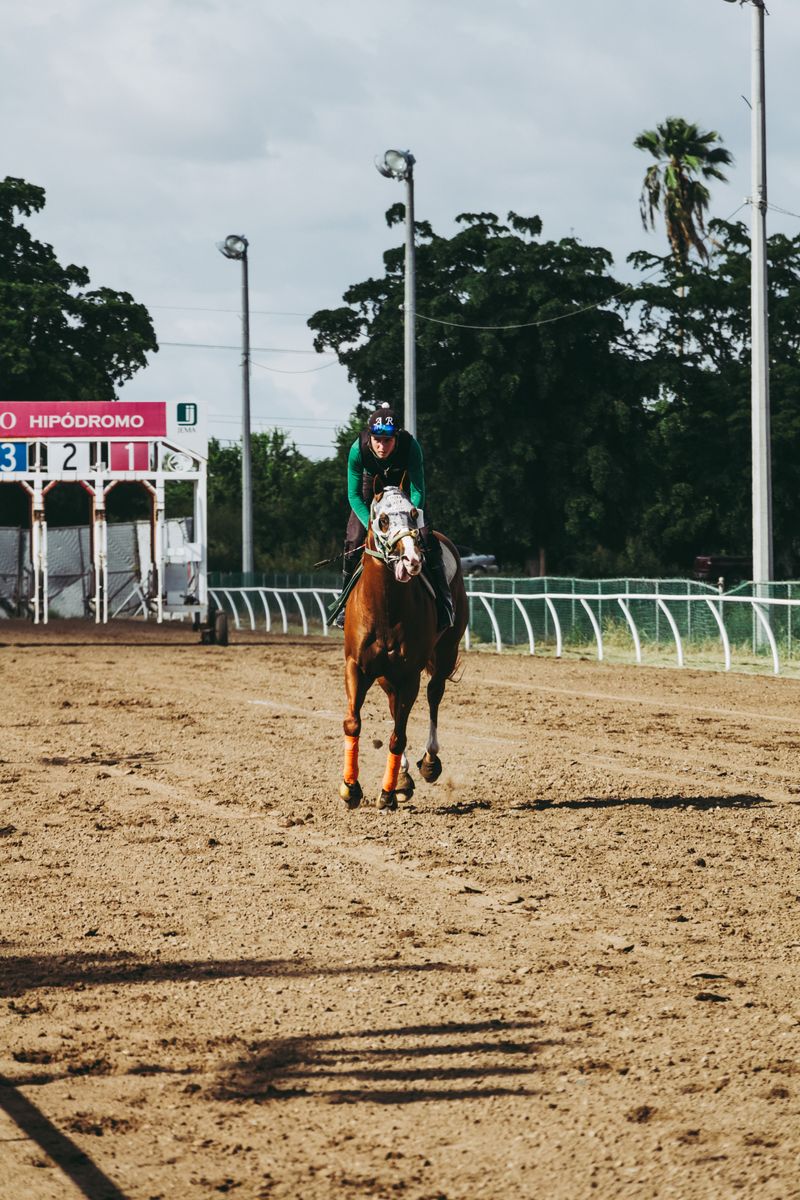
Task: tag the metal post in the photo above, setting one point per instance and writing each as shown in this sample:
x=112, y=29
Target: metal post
x=410, y=357
x=399, y=164
x=248, y=565
x=760, y=417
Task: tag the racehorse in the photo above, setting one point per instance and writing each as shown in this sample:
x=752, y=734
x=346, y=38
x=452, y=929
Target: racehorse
x=390, y=635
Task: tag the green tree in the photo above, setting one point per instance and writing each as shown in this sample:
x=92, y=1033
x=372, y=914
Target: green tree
x=299, y=505
x=675, y=184
x=59, y=338
x=699, y=498
x=529, y=409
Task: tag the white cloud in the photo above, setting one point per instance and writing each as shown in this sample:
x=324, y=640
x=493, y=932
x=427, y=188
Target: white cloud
x=159, y=126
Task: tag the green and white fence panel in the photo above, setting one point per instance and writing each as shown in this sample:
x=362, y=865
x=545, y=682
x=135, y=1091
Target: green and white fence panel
x=562, y=612
x=252, y=604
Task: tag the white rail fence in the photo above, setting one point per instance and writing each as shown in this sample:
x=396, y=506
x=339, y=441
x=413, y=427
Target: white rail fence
x=763, y=622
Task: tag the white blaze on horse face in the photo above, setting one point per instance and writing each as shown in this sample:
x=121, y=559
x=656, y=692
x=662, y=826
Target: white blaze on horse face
x=409, y=563
x=411, y=555
x=397, y=521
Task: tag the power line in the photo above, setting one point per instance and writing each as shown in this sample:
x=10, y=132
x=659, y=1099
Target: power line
x=564, y=316
x=785, y=211
x=258, y=349
x=302, y=371
x=263, y=312
x=308, y=445
x=311, y=422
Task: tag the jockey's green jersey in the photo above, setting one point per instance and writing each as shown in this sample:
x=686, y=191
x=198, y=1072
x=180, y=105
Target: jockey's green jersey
x=403, y=468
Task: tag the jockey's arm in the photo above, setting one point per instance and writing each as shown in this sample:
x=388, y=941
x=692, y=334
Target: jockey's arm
x=416, y=475
x=355, y=473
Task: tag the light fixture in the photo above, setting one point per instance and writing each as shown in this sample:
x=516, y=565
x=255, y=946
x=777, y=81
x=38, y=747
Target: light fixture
x=234, y=246
x=396, y=164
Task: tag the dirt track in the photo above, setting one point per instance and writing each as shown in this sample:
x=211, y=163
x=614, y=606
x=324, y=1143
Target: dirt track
x=568, y=969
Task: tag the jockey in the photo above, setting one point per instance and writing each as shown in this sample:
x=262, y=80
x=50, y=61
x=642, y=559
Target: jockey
x=390, y=455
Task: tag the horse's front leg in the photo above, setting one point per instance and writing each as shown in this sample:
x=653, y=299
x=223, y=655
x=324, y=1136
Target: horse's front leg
x=404, y=785
x=401, y=703
x=357, y=686
x=430, y=765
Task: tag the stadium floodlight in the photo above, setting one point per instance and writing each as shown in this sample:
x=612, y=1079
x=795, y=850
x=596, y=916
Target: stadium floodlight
x=235, y=246
x=396, y=164
x=399, y=164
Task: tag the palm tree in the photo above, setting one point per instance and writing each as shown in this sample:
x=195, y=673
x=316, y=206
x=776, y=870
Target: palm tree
x=674, y=184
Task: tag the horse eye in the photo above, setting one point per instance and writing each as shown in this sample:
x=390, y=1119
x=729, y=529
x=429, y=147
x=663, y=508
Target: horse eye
x=414, y=515
x=383, y=522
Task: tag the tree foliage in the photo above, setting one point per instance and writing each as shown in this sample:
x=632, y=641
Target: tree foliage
x=531, y=427
x=299, y=506
x=675, y=184
x=693, y=324
x=60, y=339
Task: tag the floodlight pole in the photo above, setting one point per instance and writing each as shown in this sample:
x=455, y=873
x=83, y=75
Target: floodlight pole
x=399, y=164
x=248, y=562
x=760, y=414
x=410, y=354
x=235, y=246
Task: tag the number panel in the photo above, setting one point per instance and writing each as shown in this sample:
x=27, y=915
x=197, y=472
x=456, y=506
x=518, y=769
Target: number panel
x=68, y=459
x=13, y=457
x=130, y=456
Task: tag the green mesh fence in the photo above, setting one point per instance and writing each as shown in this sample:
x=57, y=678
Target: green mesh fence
x=573, y=600
x=511, y=601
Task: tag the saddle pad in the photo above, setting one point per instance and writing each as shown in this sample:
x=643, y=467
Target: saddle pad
x=450, y=563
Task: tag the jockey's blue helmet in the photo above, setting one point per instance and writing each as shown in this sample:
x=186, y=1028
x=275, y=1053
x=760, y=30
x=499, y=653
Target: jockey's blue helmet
x=383, y=422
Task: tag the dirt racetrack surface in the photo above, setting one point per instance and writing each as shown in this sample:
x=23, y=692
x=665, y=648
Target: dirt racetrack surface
x=568, y=969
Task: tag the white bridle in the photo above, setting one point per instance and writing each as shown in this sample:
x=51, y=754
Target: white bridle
x=395, y=523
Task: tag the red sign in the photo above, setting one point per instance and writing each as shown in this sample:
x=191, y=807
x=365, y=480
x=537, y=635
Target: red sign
x=130, y=456
x=80, y=421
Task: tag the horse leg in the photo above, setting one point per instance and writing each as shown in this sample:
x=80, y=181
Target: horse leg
x=405, y=783
x=401, y=710
x=357, y=686
x=446, y=657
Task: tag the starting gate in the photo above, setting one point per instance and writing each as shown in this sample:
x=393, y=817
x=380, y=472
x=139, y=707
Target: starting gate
x=99, y=444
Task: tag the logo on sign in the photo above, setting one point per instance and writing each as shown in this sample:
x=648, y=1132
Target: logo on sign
x=187, y=414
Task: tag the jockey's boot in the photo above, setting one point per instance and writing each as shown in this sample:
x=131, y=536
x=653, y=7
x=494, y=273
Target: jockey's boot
x=350, y=562
x=434, y=566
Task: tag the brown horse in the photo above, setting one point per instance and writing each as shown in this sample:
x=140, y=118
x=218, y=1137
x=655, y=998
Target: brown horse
x=390, y=636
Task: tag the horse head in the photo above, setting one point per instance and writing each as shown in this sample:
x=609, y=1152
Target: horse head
x=394, y=523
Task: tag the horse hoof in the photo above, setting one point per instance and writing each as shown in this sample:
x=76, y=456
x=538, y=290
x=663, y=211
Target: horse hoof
x=388, y=800
x=430, y=767
x=405, y=784
x=351, y=793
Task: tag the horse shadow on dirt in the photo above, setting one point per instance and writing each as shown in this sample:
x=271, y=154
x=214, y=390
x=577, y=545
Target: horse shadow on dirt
x=703, y=803
x=22, y=973
x=394, y=1065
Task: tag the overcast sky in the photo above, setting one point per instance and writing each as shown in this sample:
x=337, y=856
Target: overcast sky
x=159, y=126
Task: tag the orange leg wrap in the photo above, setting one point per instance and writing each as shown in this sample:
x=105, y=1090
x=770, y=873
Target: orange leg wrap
x=392, y=772
x=350, y=759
